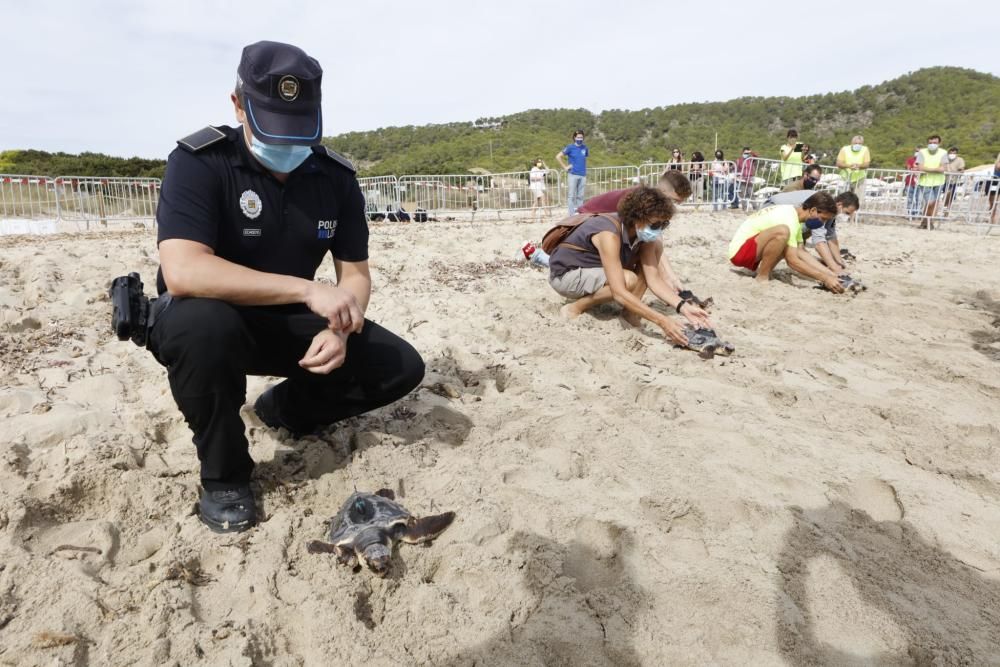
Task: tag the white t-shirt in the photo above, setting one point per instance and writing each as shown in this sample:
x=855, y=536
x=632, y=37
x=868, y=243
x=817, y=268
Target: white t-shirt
x=536, y=178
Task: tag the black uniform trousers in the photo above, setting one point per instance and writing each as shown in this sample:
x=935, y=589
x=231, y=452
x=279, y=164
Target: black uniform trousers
x=210, y=346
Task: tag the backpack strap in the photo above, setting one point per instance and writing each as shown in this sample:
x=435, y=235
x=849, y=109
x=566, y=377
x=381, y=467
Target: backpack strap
x=613, y=217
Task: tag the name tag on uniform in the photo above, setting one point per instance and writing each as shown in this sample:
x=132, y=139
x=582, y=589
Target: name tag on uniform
x=251, y=232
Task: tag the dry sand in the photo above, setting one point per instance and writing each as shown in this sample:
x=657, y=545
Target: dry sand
x=828, y=495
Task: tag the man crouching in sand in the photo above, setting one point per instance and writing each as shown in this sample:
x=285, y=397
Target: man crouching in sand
x=589, y=264
x=775, y=233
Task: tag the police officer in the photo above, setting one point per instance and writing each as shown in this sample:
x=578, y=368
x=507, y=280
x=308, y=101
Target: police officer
x=245, y=217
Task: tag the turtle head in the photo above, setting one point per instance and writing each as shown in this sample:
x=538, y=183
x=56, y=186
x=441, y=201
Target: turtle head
x=377, y=556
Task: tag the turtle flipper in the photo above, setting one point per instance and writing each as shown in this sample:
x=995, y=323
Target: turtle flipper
x=426, y=528
x=317, y=547
x=386, y=493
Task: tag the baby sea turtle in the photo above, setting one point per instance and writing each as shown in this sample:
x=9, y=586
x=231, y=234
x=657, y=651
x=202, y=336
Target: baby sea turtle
x=850, y=285
x=706, y=343
x=368, y=526
x=688, y=295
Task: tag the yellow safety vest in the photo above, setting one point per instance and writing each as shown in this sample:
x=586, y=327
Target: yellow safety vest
x=854, y=159
x=792, y=167
x=933, y=161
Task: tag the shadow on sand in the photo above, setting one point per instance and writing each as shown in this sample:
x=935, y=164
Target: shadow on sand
x=948, y=612
x=585, y=604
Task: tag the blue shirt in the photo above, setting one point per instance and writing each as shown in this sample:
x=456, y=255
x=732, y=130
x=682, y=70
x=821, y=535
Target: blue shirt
x=577, y=158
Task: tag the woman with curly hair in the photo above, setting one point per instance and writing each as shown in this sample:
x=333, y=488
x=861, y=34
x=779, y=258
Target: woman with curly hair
x=615, y=257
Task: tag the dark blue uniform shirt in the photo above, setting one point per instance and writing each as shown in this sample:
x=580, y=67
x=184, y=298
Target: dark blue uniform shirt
x=221, y=196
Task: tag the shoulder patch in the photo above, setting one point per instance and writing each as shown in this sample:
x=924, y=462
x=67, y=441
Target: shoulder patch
x=201, y=139
x=336, y=157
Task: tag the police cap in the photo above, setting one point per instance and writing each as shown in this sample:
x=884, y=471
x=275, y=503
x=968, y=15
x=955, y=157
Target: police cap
x=280, y=86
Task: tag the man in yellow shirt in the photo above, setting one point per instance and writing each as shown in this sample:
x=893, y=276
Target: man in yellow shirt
x=775, y=233
x=853, y=160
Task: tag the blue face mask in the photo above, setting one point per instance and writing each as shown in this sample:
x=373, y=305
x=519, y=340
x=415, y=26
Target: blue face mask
x=812, y=223
x=579, y=142
x=279, y=158
x=647, y=235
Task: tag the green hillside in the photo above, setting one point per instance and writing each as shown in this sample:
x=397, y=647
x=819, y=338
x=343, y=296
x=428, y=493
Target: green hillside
x=961, y=105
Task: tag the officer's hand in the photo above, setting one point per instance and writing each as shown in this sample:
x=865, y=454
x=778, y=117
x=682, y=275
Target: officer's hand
x=327, y=352
x=337, y=305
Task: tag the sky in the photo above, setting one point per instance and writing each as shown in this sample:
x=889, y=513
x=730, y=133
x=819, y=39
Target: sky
x=130, y=78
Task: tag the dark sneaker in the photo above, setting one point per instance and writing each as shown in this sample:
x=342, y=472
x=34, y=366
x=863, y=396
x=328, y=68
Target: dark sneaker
x=266, y=409
x=230, y=511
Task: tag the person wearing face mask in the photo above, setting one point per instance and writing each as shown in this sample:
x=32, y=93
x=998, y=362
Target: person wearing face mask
x=810, y=177
x=744, y=178
x=577, y=152
x=677, y=188
x=615, y=257
x=722, y=182
x=246, y=216
x=536, y=184
x=822, y=237
x=953, y=170
x=931, y=163
x=791, y=157
x=775, y=233
x=853, y=160
x=910, y=184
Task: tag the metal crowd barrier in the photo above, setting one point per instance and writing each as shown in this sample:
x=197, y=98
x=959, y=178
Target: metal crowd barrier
x=80, y=199
x=897, y=194
x=605, y=179
x=382, y=195
x=713, y=183
x=85, y=199
x=27, y=197
x=468, y=194
x=968, y=198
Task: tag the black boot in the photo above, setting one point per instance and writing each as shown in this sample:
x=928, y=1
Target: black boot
x=229, y=511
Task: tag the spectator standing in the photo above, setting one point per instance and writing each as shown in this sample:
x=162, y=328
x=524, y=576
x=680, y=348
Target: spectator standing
x=791, y=157
x=676, y=159
x=722, y=182
x=577, y=152
x=993, y=188
x=931, y=163
x=807, y=156
x=536, y=184
x=744, y=177
x=910, y=183
x=953, y=171
x=697, y=175
x=853, y=160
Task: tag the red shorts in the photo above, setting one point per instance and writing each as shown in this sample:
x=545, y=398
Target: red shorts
x=746, y=256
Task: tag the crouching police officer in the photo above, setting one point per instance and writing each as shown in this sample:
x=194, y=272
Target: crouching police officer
x=245, y=218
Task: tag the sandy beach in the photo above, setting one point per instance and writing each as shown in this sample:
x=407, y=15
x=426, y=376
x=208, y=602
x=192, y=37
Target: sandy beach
x=830, y=494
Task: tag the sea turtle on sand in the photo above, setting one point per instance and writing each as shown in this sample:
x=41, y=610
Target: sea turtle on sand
x=368, y=526
x=706, y=343
x=849, y=284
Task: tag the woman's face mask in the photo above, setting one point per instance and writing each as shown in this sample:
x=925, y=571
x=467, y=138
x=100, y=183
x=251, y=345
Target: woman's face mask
x=648, y=235
x=855, y=147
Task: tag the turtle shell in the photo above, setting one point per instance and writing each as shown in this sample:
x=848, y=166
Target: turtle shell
x=366, y=512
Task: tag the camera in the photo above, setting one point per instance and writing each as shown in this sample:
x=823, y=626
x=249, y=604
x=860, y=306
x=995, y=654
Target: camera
x=129, y=309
